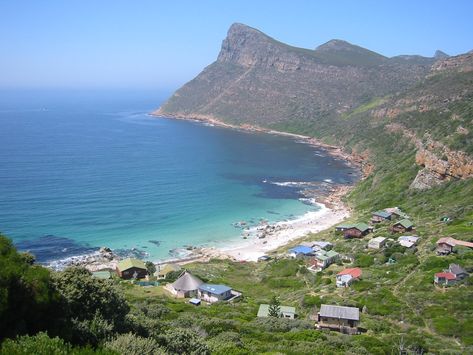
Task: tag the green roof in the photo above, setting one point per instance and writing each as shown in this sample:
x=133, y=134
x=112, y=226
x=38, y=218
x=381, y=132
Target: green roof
x=166, y=269
x=362, y=227
x=331, y=253
x=263, y=310
x=382, y=214
x=346, y=226
x=405, y=223
x=129, y=263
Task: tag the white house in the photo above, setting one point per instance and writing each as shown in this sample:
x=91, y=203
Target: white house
x=377, y=243
x=408, y=241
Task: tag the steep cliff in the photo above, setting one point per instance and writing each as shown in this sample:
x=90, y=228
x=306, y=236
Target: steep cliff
x=259, y=80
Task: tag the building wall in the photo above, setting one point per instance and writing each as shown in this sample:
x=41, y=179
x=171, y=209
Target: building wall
x=128, y=274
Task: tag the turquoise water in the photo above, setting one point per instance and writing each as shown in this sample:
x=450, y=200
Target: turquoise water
x=84, y=170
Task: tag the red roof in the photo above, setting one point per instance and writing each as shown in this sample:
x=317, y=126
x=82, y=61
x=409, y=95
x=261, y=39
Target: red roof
x=354, y=272
x=445, y=275
x=453, y=242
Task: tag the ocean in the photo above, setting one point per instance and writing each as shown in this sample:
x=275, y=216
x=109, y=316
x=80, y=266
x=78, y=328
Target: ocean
x=81, y=169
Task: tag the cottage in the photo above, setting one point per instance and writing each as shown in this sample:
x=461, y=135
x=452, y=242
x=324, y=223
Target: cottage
x=347, y=276
x=396, y=212
x=284, y=311
x=377, y=243
x=185, y=286
x=408, y=241
x=447, y=245
x=164, y=270
x=131, y=268
x=300, y=251
x=404, y=225
x=380, y=216
x=343, y=227
x=323, y=259
x=357, y=230
x=459, y=272
x=444, y=278
x=322, y=245
x=342, y=319
x=214, y=293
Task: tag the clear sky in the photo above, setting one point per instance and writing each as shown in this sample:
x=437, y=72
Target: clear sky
x=162, y=44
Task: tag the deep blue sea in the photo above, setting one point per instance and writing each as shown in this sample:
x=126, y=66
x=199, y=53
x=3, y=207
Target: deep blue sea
x=80, y=170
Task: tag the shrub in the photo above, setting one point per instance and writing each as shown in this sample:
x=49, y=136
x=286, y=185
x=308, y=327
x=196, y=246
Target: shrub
x=39, y=344
x=130, y=344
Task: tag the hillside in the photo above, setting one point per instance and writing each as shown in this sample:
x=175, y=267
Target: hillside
x=259, y=80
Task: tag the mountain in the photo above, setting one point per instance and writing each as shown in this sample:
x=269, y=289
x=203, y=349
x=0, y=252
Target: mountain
x=259, y=80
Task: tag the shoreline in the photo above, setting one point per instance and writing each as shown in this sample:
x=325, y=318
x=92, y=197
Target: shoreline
x=276, y=235
x=357, y=160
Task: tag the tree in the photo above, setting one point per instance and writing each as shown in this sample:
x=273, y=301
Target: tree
x=85, y=296
x=150, y=267
x=274, y=308
x=40, y=344
x=28, y=301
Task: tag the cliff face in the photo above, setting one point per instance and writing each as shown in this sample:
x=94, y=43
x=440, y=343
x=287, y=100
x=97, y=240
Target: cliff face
x=259, y=80
x=342, y=93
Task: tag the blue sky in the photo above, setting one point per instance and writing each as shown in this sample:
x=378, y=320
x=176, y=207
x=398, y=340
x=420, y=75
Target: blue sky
x=162, y=44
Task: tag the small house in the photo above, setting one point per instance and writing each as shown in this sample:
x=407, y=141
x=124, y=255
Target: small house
x=131, y=269
x=214, y=293
x=444, y=278
x=347, y=276
x=300, y=251
x=396, y=212
x=339, y=318
x=343, y=227
x=377, y=243
x=408, y=241
x=459, y=272
x=447, y=245
x=323, y=259
x=164, y=270
x=187, y=285
x=322, y=245
x=380, y=216
x=284, y=311
x=404, y=225
x=357, y=230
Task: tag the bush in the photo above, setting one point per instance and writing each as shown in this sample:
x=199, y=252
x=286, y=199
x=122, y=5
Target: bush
x=130, y=344
x=184, y=342
x=226, y=343
x=364, y=260
x=39, y=344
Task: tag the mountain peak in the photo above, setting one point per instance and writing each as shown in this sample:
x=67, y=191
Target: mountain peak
x=440, y=55
x=335, y=44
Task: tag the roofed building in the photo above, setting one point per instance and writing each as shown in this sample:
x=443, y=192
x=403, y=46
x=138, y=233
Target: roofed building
x=444, y=278
x=408, y=241
x=377, y=243
x=404, y=225
x=380, y=216
x=323, y=259
x=339, y=318
x=284, y=311
x=347, y=276
x=300, y=251
x=131, y=269
x=185, y=286
x=164, y=270
x=357, y=230
x=447, y=245
x=214, y=293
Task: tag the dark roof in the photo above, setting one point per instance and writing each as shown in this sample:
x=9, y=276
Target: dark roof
x=456, y=269
x=351, y=313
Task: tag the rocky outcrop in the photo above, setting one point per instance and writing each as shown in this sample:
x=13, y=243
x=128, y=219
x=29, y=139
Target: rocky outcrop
x=459, y=63
x=438, y=162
